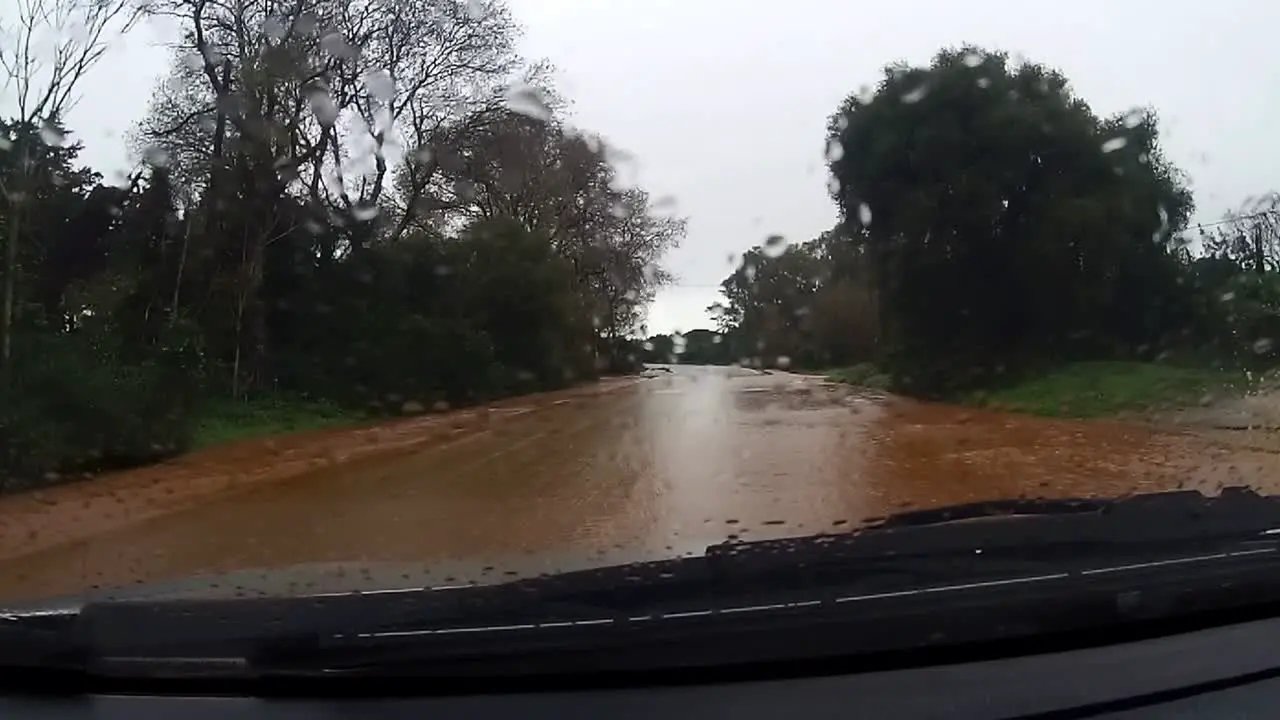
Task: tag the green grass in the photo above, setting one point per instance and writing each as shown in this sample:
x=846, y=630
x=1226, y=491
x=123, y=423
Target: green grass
x=862, y=374
x=1113, y=389
x=226, y=421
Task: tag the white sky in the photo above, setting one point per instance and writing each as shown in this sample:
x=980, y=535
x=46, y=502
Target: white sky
x=724, y=104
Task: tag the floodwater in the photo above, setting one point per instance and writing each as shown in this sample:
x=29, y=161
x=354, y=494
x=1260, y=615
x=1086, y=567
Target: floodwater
x=629, y=470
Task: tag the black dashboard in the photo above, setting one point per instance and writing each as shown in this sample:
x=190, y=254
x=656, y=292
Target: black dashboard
x=1227, y=672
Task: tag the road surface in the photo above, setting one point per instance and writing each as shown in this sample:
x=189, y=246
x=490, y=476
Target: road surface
x=636, y=469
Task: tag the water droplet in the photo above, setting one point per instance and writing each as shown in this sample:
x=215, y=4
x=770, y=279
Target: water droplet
x=1134, y=118
x=364, y=212
x=835, y=150
x=156, y=156
x=1114, y=144
x=52, y=135
x=325, y=110
x=864, y=214
x=529, y=101
x=275, y=28
x=380, y=85
x=1164, y=223
x=1262, y=346
x=972, y=59
x=916, y=95
x=984, y=82
x=775, y=246
x=336, y=45
x=476, y=9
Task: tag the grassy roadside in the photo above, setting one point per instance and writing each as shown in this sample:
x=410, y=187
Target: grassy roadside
x=1086, y=390
x=226, y=421
x=1114, y=389
x=863, y=375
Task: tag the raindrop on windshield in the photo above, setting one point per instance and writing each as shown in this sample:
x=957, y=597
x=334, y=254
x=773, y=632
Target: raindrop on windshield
x=1133, y=118
x=156, y=156
x=336, y=45
x=864, y=214
x=775, y=246
x=916, y=94
x=52, y=135
x=325, y=110
x=834, y=151
x=380, y=85
x=529, y=101
x=1114, y=144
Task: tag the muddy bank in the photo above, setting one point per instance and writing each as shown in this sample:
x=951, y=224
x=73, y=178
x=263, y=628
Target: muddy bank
x=36, y=519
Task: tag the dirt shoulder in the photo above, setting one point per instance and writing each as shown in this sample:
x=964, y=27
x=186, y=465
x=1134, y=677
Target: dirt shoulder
x=1249, y=420
x=38, y=519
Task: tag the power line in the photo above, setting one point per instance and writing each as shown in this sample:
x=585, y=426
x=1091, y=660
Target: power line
x=1263, y=213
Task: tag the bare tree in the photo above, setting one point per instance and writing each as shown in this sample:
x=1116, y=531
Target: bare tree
x=46, y=49
x=48, y=46
x=317, y=100
x=1250, y=235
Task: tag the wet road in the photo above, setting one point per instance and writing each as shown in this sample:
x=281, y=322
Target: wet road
x=647, y=469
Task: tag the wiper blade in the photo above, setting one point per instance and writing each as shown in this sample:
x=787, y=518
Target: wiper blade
x=894, y=556
x=1234, y=509
x=1042, y=530
x=39, y=640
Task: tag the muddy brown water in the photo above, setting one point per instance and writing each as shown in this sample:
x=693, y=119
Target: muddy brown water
x=626, y=470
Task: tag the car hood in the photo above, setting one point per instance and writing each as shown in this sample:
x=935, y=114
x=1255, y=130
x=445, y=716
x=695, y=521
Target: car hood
x=323, y=580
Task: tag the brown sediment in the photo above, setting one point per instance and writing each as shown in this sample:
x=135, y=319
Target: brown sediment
x=658, y=468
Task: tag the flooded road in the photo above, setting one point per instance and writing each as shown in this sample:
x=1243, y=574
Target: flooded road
x=639, y=469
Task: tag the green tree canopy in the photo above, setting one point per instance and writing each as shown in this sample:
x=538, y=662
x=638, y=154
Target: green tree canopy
x=1007, y=223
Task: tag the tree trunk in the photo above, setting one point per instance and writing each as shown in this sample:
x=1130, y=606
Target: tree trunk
x=10, y=288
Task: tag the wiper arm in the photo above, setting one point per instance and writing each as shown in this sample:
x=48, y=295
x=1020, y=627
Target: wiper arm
x=893, y=556
x=39, y=640
x=1235, y=509
x=914, y=550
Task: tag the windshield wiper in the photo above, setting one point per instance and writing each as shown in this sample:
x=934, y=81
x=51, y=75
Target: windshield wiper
x=39, y=640
x=935, y=563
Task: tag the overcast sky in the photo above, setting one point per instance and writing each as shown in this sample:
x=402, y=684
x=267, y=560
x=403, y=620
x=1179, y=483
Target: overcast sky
x=723, y=104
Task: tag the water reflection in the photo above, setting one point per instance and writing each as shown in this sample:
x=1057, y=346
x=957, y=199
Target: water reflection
x=652, y=469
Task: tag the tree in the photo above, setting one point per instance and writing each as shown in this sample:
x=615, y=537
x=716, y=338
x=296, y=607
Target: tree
x=1005, y=224
x=1249, y=236
x=313, y=101
x=46, y=49
x=371, y=204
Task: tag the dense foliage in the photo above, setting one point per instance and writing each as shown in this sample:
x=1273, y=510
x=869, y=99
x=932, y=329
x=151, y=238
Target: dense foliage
x=378, y=209
x=992, y=226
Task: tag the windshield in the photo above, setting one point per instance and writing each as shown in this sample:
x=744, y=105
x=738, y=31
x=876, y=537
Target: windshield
x=311, y=297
